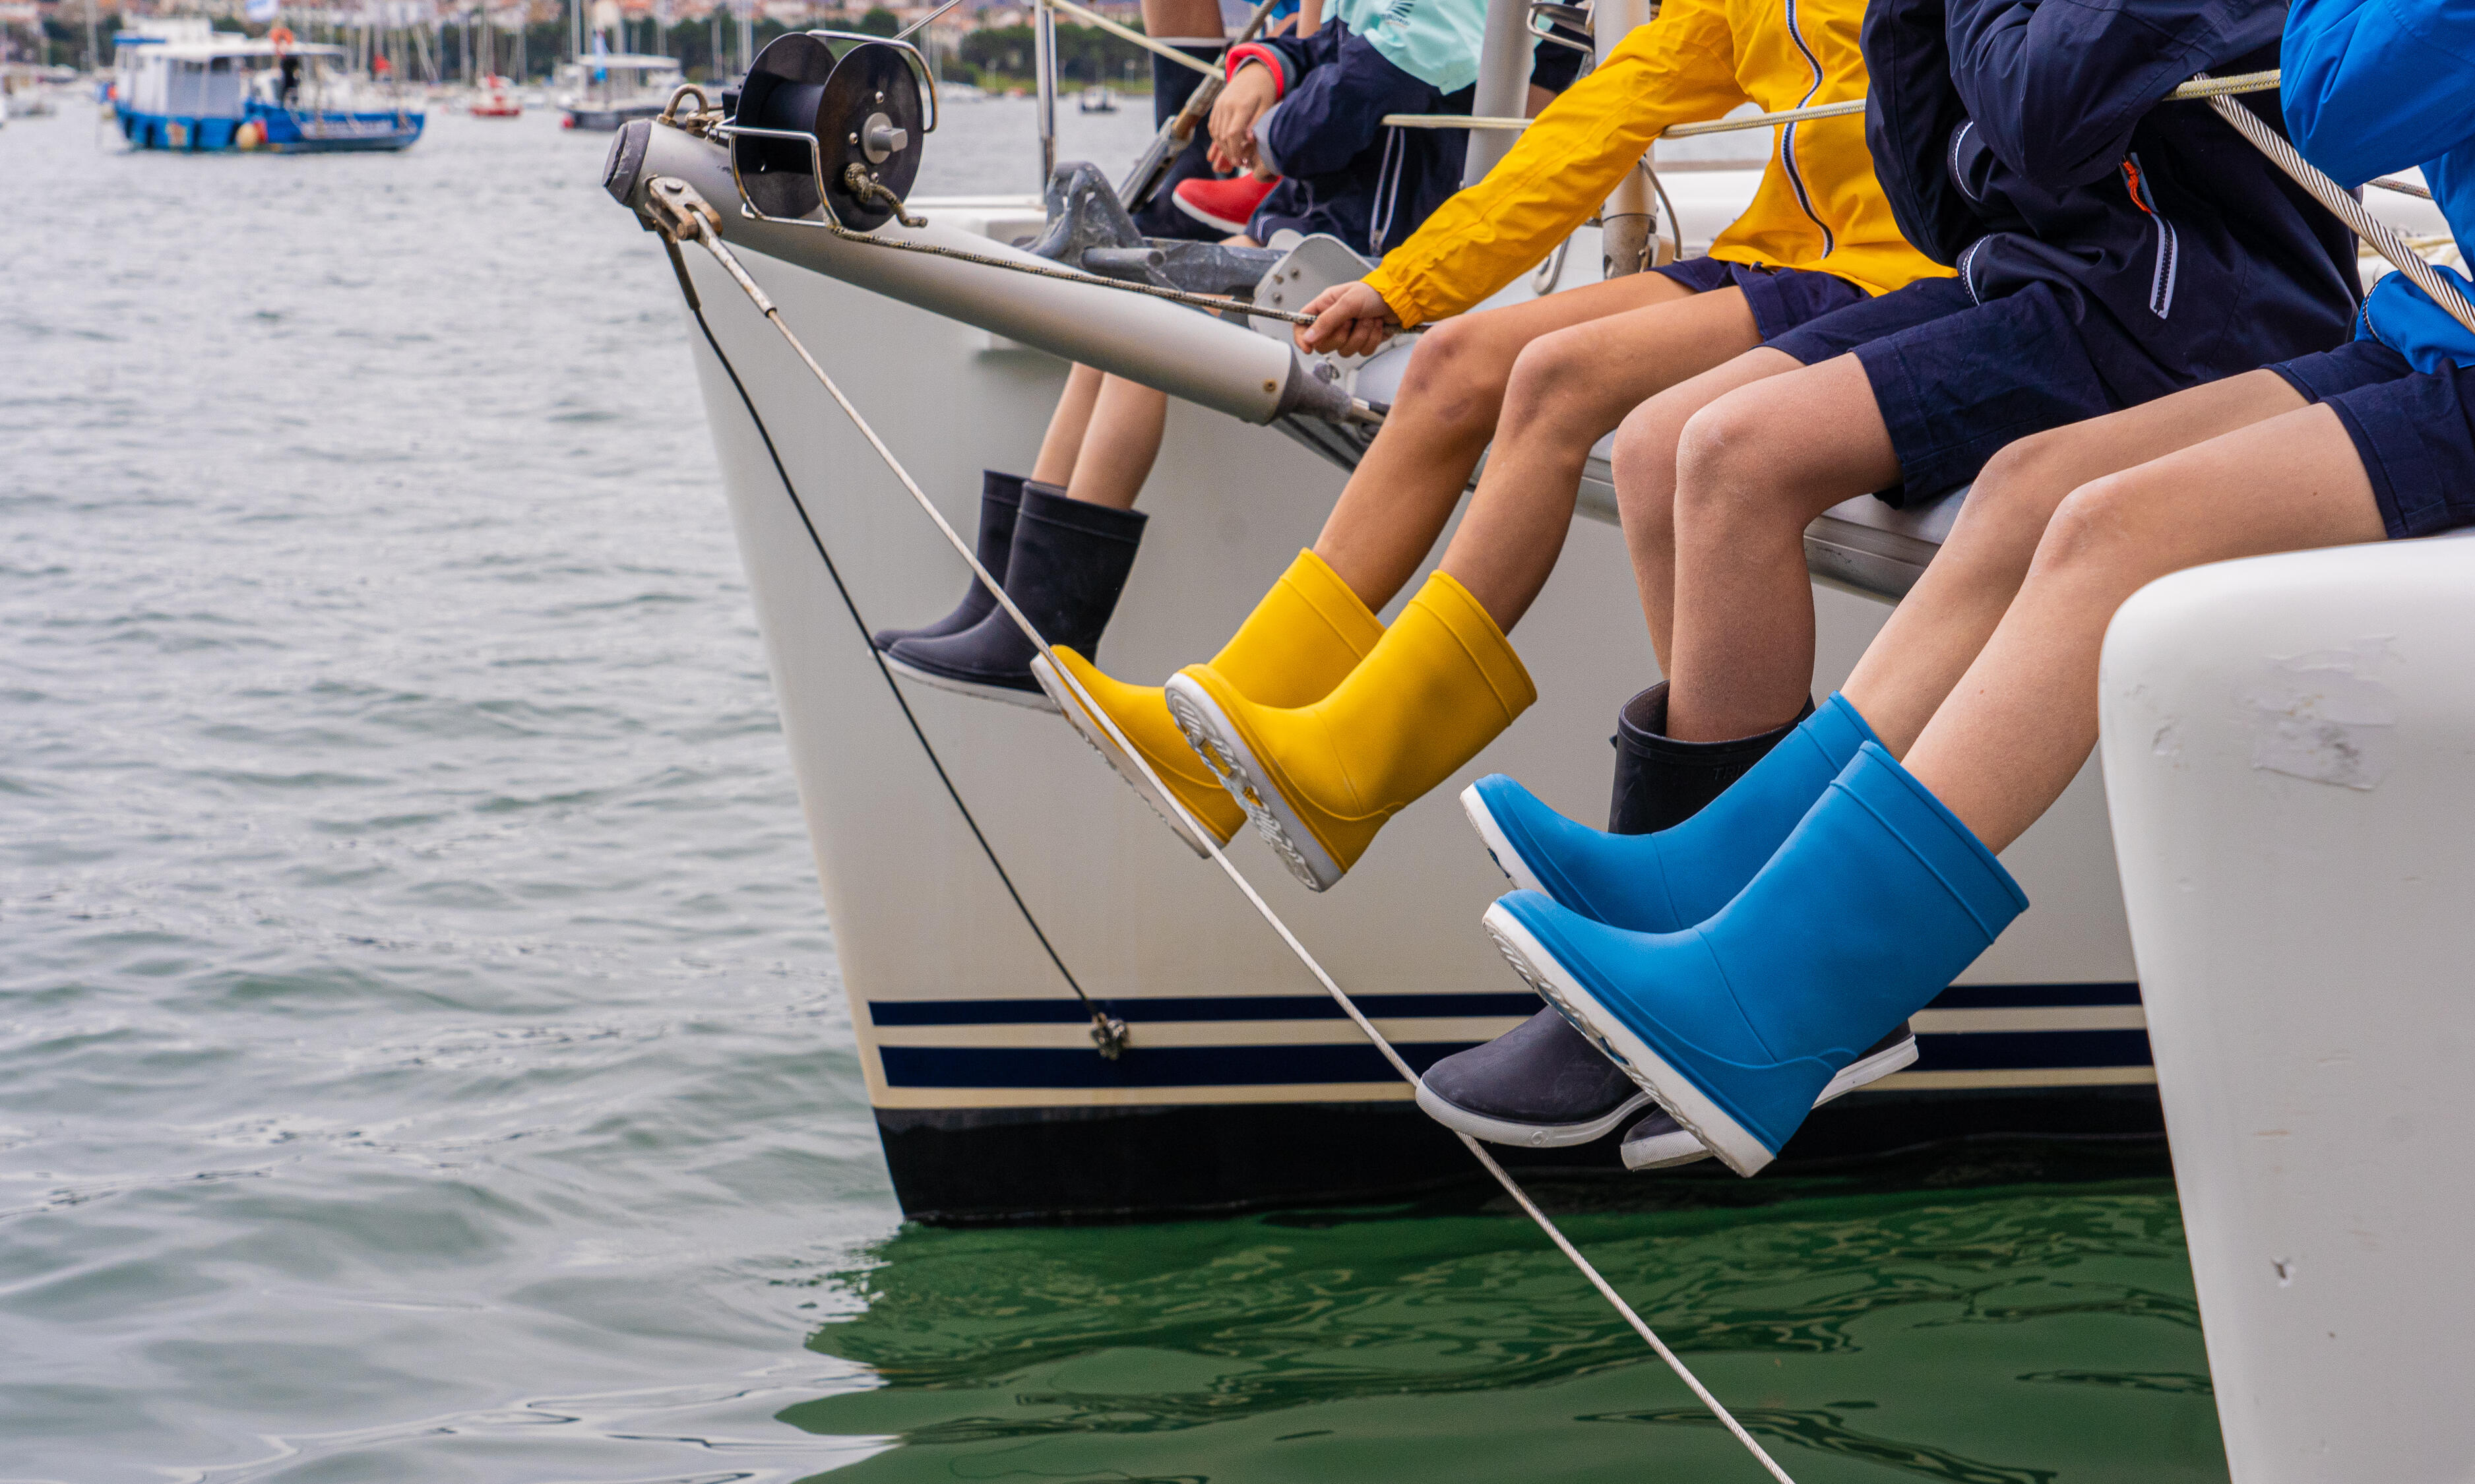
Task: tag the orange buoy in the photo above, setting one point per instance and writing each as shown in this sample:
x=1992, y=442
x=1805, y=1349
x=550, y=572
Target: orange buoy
x=280, y=37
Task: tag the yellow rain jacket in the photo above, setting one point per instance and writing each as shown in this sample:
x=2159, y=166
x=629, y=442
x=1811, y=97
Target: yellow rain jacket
x=1819, y=206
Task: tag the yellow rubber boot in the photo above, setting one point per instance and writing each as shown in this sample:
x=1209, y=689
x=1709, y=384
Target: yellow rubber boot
x=1319, y=780
x=1308, y=631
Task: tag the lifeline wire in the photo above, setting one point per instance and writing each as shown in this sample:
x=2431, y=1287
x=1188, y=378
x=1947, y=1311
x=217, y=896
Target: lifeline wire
x=2202, y=86
x=693, y=224
x=1107, y=1031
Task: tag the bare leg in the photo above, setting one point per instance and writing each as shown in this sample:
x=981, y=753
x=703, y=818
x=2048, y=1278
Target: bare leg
x=1064, y=441
x=1752, y=470
x=1118, y=448
x=1936, y=632
x=1404, y=489
x=1645, y=470
x=2022, y=720
x=1569, y=389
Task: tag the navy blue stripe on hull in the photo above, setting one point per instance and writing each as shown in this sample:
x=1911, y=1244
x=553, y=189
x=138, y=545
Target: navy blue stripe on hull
x=1155, y=1066
x=1166, y=1008
x=2010, y=1050
x=1053, y=1011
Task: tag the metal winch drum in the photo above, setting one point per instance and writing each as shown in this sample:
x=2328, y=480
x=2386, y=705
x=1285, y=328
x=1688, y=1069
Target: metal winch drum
x=812, y=119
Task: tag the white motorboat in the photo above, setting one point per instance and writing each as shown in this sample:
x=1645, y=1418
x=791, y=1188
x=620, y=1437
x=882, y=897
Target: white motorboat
x=605, y=89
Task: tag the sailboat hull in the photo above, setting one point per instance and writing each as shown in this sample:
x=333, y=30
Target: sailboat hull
x=960, y=843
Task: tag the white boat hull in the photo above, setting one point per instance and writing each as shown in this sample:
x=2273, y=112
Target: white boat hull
x=1241, y=1084
x=2291, y=746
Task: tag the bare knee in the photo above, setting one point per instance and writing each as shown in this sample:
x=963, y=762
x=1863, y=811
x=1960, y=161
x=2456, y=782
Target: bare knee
x=2016, y=492
x=1455, y=376
x=1547, y=389
x=1645, y=467
x=2095, y=532
x=1731, y=468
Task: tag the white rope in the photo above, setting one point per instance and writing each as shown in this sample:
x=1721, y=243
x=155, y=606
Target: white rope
x=2384, y=238
x=701, y=230
x=2197, y=87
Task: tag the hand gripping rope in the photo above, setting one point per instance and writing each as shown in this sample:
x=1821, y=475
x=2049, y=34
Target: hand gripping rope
x=683, y=215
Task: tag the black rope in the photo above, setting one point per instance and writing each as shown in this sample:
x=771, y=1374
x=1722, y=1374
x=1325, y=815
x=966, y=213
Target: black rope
x=1105, y=1027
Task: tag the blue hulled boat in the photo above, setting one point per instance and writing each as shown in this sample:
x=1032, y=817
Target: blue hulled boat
x=179, y=86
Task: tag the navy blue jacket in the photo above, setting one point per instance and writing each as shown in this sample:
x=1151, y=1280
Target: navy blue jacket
x=2027, y=141
x=1345, y=172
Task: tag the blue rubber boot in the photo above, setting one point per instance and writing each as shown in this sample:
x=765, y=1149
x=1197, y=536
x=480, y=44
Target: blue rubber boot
x=1735, y=1026
x=1669, y=881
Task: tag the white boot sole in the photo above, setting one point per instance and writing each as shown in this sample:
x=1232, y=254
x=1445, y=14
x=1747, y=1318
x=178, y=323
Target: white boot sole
x=1029, y=700
x=1683, y=1147
x=1527, y=1136
x=1208, y=733
x=1499, y=847
x=1103, y=743
x=1735, y=1145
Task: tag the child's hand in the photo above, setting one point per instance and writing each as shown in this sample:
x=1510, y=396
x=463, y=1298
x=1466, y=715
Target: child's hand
x=1350, y=319
x=1246, y=98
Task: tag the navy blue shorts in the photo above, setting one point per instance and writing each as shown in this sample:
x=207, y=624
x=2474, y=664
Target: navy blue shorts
x=1957, y=380
x=1781, y=298
x=2413, y=431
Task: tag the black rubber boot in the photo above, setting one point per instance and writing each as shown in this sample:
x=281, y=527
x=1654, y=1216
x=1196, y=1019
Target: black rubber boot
x=1000, y=494
x=1541, y=1084
x=1660, y=782
x=1172, y=85
x=1069, y=563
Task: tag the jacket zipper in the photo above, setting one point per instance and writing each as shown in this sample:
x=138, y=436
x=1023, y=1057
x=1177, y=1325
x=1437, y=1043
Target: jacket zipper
x=2161, y=282
x=1787, y=135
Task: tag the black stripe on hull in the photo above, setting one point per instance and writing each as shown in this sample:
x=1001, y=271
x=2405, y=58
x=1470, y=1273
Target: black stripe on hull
x=999, y=1166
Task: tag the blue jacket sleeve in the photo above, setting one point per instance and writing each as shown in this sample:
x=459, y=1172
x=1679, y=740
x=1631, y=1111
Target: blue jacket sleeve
x=2056, y=87
x=1335, y=111
x=2375, y=86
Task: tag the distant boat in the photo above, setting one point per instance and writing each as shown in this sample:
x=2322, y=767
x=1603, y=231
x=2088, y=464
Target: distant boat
x=178, y=85
x=1097, y=100
x=496, y=98
x=25, y=92
x=603, y=91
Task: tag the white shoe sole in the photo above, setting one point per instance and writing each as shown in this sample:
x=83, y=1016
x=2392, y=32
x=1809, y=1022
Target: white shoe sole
x=1683, y=1147
x=1735, y=1145
x=1527, y=1136
x=1208, y=732
x=1029, y=700
x=1107, y=747
x=1499, y=848
x=1205, y=217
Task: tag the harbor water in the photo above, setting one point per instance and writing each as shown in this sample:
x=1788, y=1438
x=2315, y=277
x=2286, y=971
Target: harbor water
x=422, y=1052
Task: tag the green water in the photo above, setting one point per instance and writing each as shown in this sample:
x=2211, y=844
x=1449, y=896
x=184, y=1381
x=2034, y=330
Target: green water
x=2002, y=1335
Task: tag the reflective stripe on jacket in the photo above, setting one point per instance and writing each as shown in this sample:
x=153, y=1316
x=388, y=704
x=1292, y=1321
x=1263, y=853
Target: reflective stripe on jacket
x=1818, y=206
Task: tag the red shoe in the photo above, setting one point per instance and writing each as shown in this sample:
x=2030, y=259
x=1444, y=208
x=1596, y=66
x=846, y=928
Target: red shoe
x=1228, y=204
